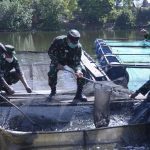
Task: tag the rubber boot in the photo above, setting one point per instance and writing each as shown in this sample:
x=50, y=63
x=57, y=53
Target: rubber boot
x=53, y=92
x=4, y=90
x=79, y=95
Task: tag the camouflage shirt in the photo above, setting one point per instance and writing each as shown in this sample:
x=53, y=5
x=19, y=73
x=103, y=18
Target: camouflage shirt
x=147, y=36
x=60, y=53
x=6, y=67
x=145, y=88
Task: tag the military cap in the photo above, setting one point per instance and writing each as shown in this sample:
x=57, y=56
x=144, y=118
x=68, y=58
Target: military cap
x=10, y=49
x=73, y=35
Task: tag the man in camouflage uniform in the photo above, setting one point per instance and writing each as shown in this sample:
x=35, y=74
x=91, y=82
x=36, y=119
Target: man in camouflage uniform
x=66, y=50
x=144, y=89
x=10, y=71
x=146, y=34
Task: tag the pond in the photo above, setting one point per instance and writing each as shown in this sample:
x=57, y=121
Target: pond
x=40, y=41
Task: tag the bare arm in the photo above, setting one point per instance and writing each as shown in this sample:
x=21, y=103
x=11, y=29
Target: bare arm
x=24, y=82
x=22, y=77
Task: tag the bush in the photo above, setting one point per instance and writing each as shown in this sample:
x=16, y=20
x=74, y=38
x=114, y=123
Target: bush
x=143, y=16
x=14, y=16
x=125, y=20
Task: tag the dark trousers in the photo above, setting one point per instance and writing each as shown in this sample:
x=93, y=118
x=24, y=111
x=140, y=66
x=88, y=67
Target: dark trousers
x=11, y=78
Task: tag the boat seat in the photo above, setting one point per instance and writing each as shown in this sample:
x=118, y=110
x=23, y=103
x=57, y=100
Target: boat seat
x=106, y=49
x=115, y=63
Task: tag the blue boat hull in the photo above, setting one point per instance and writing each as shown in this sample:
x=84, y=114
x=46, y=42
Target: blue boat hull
x=146, y=42
x=106, y=61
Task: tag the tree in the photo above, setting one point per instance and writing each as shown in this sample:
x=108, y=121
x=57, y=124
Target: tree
x=95, y=11
x=125, y=19
x=15, y=15
x=69, y=7
x=49, y=14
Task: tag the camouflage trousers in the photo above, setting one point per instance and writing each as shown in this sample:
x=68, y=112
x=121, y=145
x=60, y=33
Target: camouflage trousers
x=11, y=78
x=52, y=75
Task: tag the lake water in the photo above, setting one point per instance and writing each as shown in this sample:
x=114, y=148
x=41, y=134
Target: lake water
x=40, y=41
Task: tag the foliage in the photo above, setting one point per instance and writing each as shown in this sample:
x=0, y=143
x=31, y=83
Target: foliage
x=143, y=16
x=53, y=14
x=46, y=13
x=125, y=19
x=69, y=7
x=14, y=16
x=94, y=11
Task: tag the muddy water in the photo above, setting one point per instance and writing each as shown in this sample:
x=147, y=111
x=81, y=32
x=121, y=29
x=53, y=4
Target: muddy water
x=82, y=119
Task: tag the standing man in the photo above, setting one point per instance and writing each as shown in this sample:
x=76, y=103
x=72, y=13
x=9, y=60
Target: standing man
x=66, y=50
x=10, y=72
x=146, y=34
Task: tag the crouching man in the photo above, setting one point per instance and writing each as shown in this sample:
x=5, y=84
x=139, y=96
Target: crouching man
x=66, y=50
x=10, y=71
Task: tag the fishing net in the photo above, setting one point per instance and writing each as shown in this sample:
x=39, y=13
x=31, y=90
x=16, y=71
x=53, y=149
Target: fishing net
x=37, y=78
x=101, y=105
x=118, y=91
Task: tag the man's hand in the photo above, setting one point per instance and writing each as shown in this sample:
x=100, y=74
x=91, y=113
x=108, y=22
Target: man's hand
x=60, y=67
x=28, y=89
x=79, y=74
x=133, y=95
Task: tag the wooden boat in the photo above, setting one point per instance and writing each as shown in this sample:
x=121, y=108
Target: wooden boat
x=107, y=59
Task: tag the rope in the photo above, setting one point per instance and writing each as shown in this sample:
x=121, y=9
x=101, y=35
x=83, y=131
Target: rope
x=82, y=77
x=28, y=118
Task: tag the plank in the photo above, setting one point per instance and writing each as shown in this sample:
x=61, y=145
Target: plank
x=91, y=67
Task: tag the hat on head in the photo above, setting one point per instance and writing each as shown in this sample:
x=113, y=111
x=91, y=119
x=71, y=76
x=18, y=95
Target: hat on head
x=10, y=49
x=144, y=31
x=73, y=36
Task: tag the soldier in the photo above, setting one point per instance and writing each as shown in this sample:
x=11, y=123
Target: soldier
x=10, y=72
x=146, y=34
x=66, y=50
x=144, y=89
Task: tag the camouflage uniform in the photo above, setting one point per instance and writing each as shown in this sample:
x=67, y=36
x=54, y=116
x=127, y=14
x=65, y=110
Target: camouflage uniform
x=144, y=89
x=60, y=53
x=6, y=72
x=147, y=36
